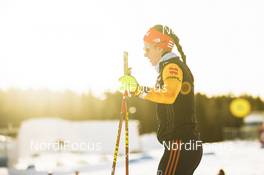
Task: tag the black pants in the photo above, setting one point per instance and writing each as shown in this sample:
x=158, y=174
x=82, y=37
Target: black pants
x=180, y=158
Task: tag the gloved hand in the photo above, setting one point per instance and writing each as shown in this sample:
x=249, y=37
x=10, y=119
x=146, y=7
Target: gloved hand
x=129, y=84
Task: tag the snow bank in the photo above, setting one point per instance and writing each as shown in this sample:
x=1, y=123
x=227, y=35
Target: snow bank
x=56, y=135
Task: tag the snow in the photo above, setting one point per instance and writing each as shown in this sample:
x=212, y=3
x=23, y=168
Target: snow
x=46, y=135
x=3, y=171
x=236, y=157
x=254, y=118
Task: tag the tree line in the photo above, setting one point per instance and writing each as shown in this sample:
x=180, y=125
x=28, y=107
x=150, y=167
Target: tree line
x=17, y=105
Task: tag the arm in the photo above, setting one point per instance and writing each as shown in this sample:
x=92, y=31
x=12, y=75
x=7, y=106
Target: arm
x=172, y=76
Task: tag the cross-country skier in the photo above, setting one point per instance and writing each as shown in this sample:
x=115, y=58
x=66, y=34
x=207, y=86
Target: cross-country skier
x=174, y=96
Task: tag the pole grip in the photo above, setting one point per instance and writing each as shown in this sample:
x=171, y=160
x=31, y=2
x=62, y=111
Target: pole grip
x=126, y=71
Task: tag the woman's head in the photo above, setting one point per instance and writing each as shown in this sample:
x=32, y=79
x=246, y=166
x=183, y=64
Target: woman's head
x=158, y=40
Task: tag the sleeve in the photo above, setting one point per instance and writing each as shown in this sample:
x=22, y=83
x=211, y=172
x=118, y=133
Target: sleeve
x=172, y=76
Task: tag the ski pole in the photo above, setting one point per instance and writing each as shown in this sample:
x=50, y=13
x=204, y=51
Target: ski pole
x=127, y=72
x=118, y=138
x=123, y=115
x=127, y=142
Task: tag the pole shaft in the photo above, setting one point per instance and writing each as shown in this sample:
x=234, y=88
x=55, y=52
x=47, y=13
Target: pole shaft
x=127, y=143
x=123, y=116
x=118, y=136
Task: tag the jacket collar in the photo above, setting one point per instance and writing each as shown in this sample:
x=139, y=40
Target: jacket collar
x=165, y=57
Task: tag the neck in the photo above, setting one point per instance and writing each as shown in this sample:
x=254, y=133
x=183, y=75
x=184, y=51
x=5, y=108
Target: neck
x=165, y=57
x=164, y=53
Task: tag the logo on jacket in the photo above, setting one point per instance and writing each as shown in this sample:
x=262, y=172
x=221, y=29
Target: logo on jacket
x=186, y=88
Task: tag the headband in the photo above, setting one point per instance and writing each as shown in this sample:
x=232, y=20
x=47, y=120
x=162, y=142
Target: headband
x=155, y=37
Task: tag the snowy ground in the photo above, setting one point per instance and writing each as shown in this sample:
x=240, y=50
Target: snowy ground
x=235, y=157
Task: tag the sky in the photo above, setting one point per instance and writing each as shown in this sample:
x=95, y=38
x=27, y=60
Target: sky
x=79, y=45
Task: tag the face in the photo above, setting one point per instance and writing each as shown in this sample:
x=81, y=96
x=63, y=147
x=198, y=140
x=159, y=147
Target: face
x=153, y=53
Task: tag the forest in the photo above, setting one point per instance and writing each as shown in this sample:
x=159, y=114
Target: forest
x=212, y=112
